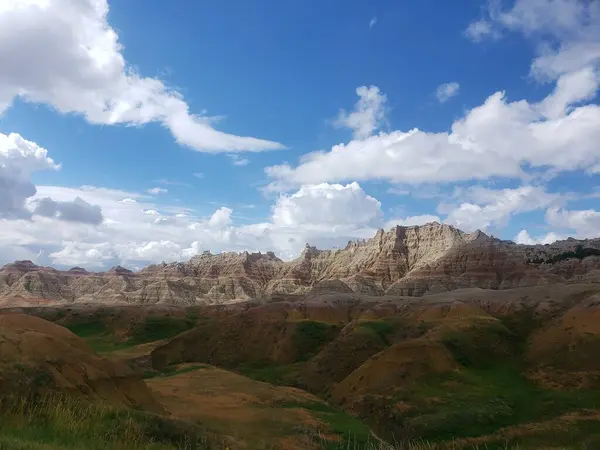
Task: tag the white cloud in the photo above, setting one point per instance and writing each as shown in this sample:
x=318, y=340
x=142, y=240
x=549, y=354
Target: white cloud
x=373, y=22
x=581, y=223
x=19, y=158
x=446, y=91
x=198, y=175
x=480, y=29
x=221, y=218
x=136, y=231
x=495, y=139
x=237, y=160
x=571, y=88
x=92, y=255
x=486, y=208
x=326, y=205
x=499, y=138
x=368, y=115
x=157, y=190
x=412, y=221
x=570, y=58
x=559, y=18
x=570, y=29
x=64, y=53
x=523, y=237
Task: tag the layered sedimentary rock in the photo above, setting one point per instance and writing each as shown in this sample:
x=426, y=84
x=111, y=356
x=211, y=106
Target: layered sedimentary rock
x=407, y=261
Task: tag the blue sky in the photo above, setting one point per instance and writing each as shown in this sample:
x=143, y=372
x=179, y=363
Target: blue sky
x=205, y=118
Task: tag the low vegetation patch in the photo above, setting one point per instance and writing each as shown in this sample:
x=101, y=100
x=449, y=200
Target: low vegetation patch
x=350, y=429
x=89, y=328
x=383, y=328
x=482, y=344
x=155, y=328
x=270, y=373
x=171, y=371
x=579, y=253
x=310, y=336
x=98, y=336
x=480, y=401
x=101, y=338
x=51, y=423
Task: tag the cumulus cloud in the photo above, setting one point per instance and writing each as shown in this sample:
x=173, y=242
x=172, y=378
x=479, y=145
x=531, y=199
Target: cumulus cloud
x=500, y=137
x=220, y=218
x=523, y=237
x=446, y=91
x=581, y=223
x=19, y=158
x=137, y=231
x=571, y=88
x=77, y=210
x=92, y=255
x=79, y=67
x=497, y=138
x=327, y=205
x=487, y=208
x=570, y=30
x=368, y=114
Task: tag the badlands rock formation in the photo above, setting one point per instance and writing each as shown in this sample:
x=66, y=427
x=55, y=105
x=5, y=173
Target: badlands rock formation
x=408, y=261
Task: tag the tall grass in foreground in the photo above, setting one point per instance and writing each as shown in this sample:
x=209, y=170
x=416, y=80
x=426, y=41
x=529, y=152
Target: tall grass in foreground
x=424, y=445
x=61, y=423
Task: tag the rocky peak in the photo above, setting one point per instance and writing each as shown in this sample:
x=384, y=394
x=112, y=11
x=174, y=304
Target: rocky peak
x=119, y=270
x=266, y=257
x=25, y=263
x=20, y=266
x=309, y=252
x=477, y=235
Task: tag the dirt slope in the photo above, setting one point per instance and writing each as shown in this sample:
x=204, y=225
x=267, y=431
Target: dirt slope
x=39, y=356
x=252, y=414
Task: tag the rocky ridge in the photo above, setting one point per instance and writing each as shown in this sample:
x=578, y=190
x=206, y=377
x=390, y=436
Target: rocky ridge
x=408, y=261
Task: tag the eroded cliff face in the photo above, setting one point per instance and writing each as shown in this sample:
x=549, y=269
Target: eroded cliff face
x=410, y=261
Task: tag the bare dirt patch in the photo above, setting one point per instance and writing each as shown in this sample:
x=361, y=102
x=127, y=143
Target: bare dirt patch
x=251, y=412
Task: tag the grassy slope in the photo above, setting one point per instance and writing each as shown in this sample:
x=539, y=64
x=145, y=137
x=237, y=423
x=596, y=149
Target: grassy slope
x=490, y=395
x=486, y=397
x=153, y=328
x=54, y=423
x=475, y=402
x=310, y=336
